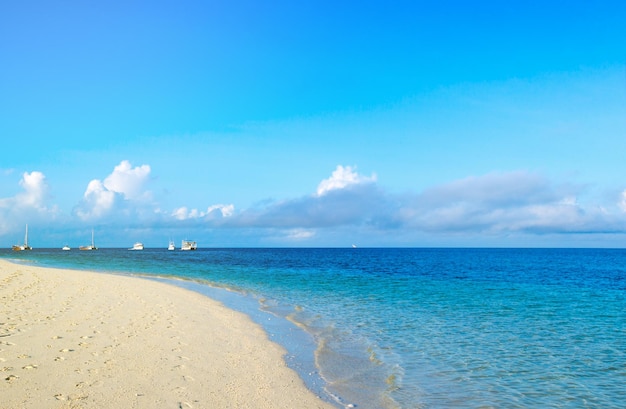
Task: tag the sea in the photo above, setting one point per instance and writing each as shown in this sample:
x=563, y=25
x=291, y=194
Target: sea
x=391, y=328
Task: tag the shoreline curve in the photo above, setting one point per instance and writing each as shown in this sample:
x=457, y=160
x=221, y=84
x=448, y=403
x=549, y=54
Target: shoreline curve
x=85, y=339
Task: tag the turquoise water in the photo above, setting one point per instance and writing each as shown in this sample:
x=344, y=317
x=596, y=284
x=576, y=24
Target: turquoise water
x=420, y=328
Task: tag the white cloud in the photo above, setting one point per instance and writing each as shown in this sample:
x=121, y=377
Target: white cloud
x=181, y=213
x=346, y=198
x=97, y=201
x=125, y=183
x=213, y=212
x=300, y=234
x=128, y=181
x=28, y=205
x=123, y=194
x=224, y=210
x=34, y=194
x=35, y=190
x=503, y=203
x=341, y=178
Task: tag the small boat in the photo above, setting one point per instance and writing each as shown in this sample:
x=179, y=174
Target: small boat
x=171, y=246
x=137, y=246
x=66, y=248
x=91, y=247
x=188, y=245
x=22, y=247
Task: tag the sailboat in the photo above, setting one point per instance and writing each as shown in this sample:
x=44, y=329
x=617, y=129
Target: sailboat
x=92, y=247
x=25, y=246
x=171, y=246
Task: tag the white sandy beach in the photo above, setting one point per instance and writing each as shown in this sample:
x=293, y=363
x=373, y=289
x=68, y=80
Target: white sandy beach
x=74, y=339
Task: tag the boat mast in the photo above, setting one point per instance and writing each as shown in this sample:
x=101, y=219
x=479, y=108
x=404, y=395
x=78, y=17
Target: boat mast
x=26, y=237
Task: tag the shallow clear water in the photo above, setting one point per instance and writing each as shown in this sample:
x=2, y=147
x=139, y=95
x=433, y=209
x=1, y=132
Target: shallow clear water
x=424, y=328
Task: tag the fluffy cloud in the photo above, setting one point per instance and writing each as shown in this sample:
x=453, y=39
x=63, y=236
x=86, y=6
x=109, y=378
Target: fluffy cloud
x=30, y=203
x=346, y=198
x=213, y=212
x=129, y=181
x=34, y=194
x=97, y=201
x=341, y=178
x=35, y=190
x=123, y=194
x=123, y=190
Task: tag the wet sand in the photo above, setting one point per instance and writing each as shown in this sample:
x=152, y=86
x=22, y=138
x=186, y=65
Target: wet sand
x=74, y=339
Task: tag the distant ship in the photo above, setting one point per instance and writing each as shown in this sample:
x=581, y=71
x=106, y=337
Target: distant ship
x=137, y=246
x=66, y=248
x=91, y=247
x=22, y=247
x=171, y=246
x=188, y=245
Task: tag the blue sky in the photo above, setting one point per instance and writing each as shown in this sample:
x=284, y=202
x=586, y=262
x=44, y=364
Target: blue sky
x=286, y=123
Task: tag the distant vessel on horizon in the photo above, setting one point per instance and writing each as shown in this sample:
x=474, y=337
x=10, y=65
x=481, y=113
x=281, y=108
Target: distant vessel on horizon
x=188, y=245
x=91, y=247
x=66, y=248
x=22, y=247
x=171, y=246
x=137, y=246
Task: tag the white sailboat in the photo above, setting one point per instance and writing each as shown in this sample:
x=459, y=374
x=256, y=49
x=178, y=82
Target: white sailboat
x=91, y=247
x=22, y=247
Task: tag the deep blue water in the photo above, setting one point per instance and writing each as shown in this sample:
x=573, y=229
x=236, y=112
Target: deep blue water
x=424, y=328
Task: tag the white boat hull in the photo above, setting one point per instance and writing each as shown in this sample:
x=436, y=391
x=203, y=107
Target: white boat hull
x=188, y=245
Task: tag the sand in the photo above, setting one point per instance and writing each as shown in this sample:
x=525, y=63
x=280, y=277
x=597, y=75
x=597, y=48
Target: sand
x=75, y=339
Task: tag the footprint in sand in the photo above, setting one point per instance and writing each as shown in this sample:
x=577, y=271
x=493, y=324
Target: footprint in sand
x=30, y=367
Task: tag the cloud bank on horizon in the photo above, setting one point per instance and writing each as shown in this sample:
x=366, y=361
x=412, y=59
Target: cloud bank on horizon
x=498, y=204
